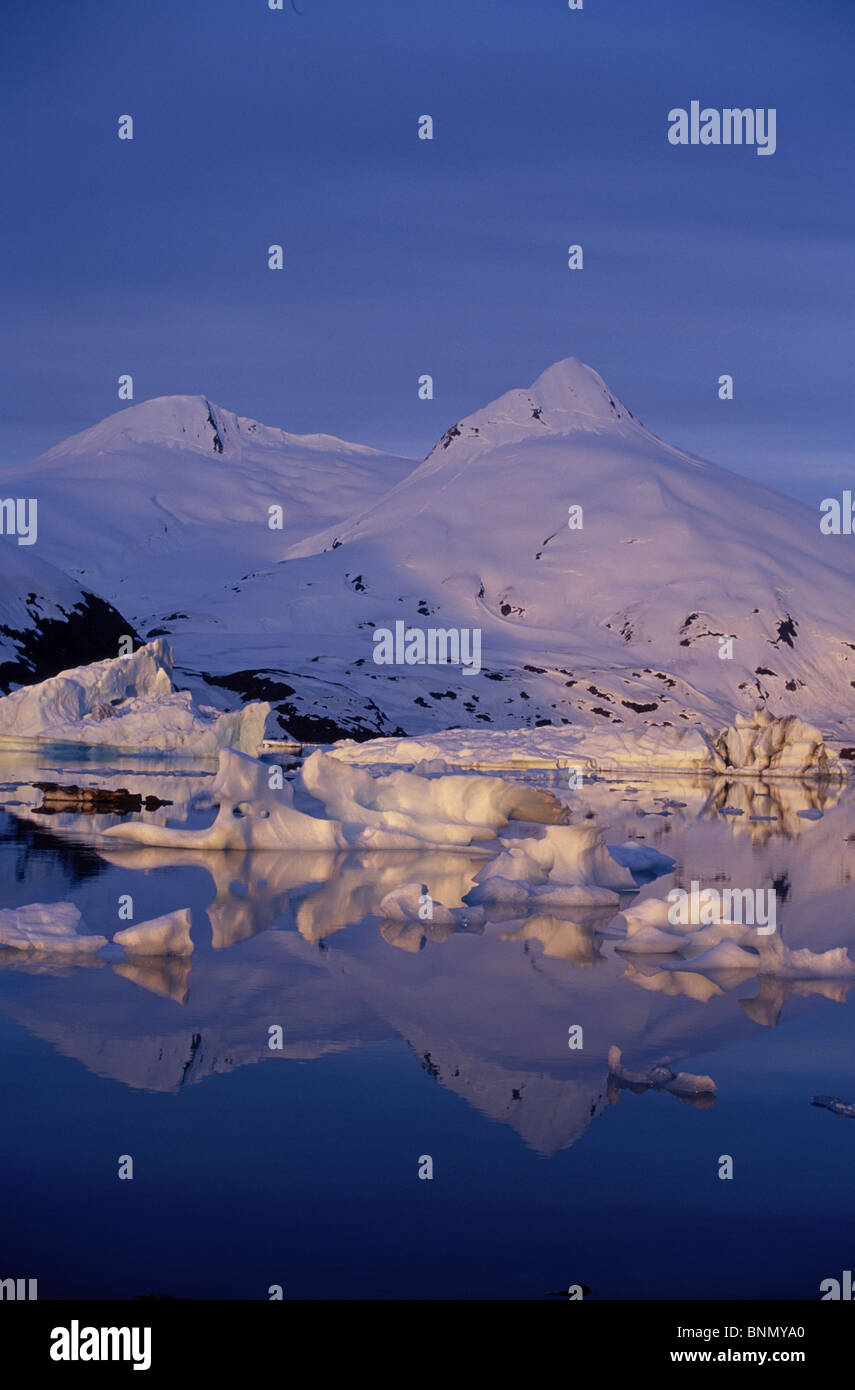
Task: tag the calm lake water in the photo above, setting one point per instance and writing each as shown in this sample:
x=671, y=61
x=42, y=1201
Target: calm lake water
x=300, y=1167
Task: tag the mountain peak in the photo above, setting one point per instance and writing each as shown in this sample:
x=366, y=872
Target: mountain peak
x=572, y=387
x=193, y=424
x=567, y=397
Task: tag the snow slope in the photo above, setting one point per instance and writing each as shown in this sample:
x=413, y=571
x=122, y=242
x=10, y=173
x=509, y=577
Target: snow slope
x=616, y=624
x=164, y=502
x=47, y=621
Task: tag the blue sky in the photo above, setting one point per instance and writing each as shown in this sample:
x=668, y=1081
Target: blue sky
x=406, y=256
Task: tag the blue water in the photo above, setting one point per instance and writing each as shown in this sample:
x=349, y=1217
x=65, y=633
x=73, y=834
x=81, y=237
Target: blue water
x=255, y=1168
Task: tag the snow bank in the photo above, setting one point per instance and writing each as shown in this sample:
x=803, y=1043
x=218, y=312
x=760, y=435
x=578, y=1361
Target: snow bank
x=398, y=811
x=126, y=703
x=757, y=742
x=162, y=936
x=49, y=928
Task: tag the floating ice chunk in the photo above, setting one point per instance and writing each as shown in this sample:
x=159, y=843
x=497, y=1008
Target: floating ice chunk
x=46, y=928
x=650, y=912
x=771, y=956
x=641, y=858
x=724, y=955
x=478, y=806
x=251, y=815
x=405, y=904
x=646, y=939
x=497, y=890
x=127, y=703
x=563, y=854
x=776, y=958
x=396, y=811
x=162, y=936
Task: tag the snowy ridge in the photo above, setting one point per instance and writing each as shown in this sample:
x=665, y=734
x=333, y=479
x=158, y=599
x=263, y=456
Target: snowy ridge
x=615, y=582
x=621, y=620
x=166, y=502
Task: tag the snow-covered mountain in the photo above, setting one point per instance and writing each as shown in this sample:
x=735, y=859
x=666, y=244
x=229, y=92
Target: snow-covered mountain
x=47, y=621
x=623, y=619
x=164, y=502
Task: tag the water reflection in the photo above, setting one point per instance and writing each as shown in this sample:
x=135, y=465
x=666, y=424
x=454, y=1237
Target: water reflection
x=300, y=940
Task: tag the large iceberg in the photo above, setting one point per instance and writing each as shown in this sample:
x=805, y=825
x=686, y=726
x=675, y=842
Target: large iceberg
x=760, y=742
x=127, y=703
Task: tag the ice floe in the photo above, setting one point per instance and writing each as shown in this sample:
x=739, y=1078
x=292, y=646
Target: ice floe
x=46, y=928
x=162, y=936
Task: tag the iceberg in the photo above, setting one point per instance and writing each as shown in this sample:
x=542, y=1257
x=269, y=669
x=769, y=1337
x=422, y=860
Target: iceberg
x=760, y=742
x=127, y=703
